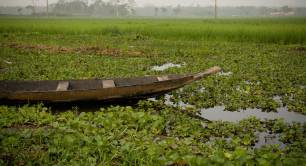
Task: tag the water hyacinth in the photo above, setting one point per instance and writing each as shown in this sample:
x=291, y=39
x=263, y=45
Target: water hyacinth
x=263, y=70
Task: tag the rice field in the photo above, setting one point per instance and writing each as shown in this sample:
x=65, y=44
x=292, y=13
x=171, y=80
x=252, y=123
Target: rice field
x=264, y=68
x=253, y=30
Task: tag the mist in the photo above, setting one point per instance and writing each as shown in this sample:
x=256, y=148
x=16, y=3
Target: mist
x=142, y=3
x=154, y=8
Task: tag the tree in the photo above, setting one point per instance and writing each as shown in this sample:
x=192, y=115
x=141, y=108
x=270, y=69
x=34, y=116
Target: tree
x=47, y=3
x=60, y=6
x=122, y=7
x=164, y=10
x=156, y=10
x=285, y=9
x=32, y=8
x=19, y=11
x=131, y=6
x=71, y=7
x=177, y=10
x=263, y=11
x=216, y=9
x=115, y=3
x=97, y=7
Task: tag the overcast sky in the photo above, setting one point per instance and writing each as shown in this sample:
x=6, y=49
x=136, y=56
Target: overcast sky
x=181, y=2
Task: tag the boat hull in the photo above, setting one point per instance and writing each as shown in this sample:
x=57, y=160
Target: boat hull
x=97, y=89
x=100, y=94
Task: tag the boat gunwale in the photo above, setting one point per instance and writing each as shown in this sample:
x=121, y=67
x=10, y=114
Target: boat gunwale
x=95, y=89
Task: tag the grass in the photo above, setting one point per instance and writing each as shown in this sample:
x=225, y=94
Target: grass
x=254, y=30
x=265, y=56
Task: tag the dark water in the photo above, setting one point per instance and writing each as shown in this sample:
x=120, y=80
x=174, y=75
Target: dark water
x=262, y=139
x=218, y=113
x=265, y=138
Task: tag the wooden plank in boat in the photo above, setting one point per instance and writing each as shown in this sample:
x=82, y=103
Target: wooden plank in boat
x=163, y=78
x=108, y=83
x=62, y=86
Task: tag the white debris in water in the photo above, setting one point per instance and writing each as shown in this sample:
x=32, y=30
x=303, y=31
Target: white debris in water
x=250, y=82
x=168, y=102
x=278, y=99
x=166, y=66
x=152, y=99
x=225, y=73
x=247, y=82
x=180, y=104
x=238, y=88
x=202, y=90
x=181, y=89
x=7, y=62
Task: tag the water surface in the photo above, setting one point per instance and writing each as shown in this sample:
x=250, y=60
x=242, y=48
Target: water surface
x=218, y=113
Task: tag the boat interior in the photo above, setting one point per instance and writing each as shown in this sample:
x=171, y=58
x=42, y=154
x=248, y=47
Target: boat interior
x=65, y=85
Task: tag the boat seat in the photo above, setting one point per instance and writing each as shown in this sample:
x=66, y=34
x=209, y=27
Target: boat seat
x=108, y=83
x=62, y=86
x=163, y=78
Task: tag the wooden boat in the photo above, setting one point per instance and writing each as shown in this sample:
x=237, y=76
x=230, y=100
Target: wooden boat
x=97, y=89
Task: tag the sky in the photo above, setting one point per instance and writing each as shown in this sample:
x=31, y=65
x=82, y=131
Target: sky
x=276, y=3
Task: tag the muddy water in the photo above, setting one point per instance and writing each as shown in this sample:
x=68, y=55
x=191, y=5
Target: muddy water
x=265, y=138
x=213, y=114
x=218, y=113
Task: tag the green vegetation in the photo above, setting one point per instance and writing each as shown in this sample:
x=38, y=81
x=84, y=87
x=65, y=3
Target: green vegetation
x=254, y=30
x=266, y=58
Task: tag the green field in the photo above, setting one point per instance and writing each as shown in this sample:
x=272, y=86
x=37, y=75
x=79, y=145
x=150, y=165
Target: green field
x=265, y=59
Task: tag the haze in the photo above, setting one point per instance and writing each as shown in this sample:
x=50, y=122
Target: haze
x=276, y=3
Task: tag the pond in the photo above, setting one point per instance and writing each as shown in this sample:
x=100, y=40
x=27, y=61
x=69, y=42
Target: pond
x=218, y=113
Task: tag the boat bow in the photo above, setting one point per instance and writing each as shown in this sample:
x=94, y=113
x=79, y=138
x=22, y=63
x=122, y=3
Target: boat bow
x=207, y=72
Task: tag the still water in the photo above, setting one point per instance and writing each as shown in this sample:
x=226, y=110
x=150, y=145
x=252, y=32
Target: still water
x=218, y=113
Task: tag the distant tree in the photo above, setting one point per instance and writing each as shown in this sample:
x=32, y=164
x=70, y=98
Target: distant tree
x=19, y=10
x=123, y=7
x=78, y=6
x=263, y=11
x=71, y=7
x=115, y=3
x=156, y=10
x=177, y=10
x=60, y=7
x=164, y=10
x=285, y=9
x=97, y=7
x=32, y=8
x=131, y=6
